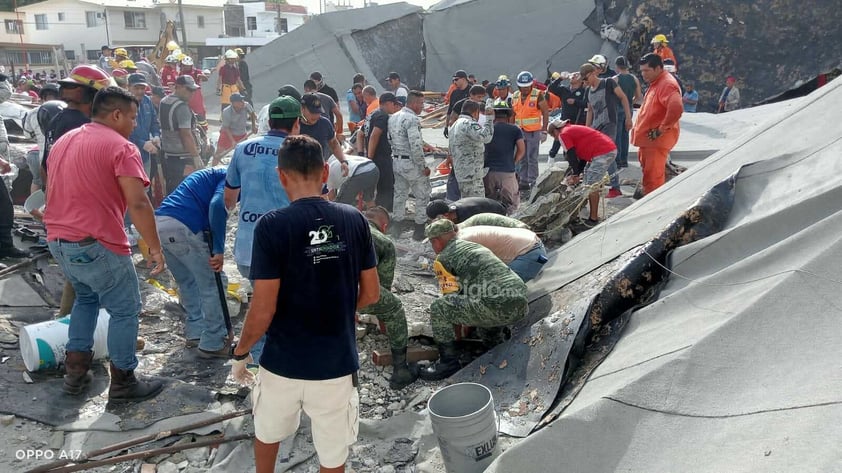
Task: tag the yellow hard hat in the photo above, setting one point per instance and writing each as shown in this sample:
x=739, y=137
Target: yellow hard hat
x=239, y=51
x=127, y=64
x=172, y=46
x=555, y=75
x=121, y=52
x=659, y=38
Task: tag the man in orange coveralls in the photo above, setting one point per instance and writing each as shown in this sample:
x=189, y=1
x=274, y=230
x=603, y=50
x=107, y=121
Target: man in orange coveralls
x=656, y=129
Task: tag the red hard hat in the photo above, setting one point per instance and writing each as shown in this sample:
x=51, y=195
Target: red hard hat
x=88, y=76
x=119, y=73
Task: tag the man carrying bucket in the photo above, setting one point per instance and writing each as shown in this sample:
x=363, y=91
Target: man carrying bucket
x=96, y=174
x=477, y=289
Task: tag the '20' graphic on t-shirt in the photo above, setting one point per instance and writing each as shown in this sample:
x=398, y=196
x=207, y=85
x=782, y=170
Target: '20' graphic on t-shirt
x=322, y=235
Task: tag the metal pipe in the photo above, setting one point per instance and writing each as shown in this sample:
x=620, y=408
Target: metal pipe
x=139, y=440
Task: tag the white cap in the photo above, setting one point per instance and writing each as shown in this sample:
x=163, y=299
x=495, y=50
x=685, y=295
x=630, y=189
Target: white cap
x=598, y=59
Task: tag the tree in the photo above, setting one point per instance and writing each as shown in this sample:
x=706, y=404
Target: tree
x=9, y=5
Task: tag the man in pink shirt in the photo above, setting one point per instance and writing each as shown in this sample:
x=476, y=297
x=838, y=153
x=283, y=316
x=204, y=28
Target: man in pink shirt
x=96, y=174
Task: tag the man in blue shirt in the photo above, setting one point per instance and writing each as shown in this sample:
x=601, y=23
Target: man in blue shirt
x=195, y=207
x=690, y=98
x=147, y=131
x=253, y=179
x=299, y=252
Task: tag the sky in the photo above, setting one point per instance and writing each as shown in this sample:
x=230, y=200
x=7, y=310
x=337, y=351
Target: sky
x=313, y=5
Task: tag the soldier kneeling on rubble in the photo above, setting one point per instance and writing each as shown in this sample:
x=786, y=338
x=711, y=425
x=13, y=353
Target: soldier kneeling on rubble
x=388, y=308
x=477, y=290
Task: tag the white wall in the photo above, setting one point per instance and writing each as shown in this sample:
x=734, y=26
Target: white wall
x=72, y=32
x=10, y=37
x=266, y=20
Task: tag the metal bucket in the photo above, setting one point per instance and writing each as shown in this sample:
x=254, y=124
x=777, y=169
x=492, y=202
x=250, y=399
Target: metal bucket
x=465, y=424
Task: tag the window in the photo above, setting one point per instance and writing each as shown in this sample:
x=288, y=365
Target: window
x=135, y=20
x=284, y=26
x=92, y=54
x=61, y=17
x=92, y=18
x=200, y=21
x=70, y=54
x=14, y=26
x=251, y=23
x=33, y=58
x=40, y=22
x=40, y=57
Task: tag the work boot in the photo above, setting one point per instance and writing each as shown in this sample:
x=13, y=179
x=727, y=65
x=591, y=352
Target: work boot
x=447, y=364
x=77, y=368
x=403, y=374
x=10, y=251
x=125, y=387
x=418, y=233
x=396, y=228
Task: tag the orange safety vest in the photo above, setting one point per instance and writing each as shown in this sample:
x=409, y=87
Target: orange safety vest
x=527, y=114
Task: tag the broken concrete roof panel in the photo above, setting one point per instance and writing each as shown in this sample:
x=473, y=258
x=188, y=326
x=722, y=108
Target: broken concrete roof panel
x=323, y=44
x=494, y=37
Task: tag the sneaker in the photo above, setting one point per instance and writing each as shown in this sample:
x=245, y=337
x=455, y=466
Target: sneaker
x=614, y=193
x=590, y=223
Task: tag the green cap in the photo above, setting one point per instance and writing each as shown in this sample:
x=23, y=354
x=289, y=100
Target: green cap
x=285, y=107
x=439, y=227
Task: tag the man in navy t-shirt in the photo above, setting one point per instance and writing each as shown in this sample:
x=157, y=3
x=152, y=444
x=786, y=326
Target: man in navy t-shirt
x=315, y=125
x=300, y=252
x=501, y=154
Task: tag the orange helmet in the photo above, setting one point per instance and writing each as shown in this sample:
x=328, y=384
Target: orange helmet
x=88, y=76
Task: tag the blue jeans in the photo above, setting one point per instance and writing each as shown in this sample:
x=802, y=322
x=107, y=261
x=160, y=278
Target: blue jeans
x=101, y=277
x=529, y=264
x=257, y=348
x=622, y=140
x=187, y=257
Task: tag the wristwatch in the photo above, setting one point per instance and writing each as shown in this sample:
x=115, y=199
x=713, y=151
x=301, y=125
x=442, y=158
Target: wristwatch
x=238, y=357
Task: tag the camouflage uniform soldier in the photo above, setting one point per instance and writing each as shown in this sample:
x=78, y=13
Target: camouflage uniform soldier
x=478, y=289
x=389, y=309
x=411, y=172
x=493, y=220
x=467, y=146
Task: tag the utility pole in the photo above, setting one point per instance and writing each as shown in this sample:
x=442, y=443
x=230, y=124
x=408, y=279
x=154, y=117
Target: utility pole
x=107, y=34
x=183, y=27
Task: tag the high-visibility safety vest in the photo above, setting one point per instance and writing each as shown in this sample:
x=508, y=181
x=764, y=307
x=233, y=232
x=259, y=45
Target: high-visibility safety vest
x=527, y=114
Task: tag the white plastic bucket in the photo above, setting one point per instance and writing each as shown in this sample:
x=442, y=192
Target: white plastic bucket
x=465, y=424
x=42, y=345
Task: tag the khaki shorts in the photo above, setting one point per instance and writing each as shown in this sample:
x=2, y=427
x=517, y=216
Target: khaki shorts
x=332, y=405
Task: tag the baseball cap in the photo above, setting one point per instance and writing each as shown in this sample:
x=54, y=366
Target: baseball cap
x=290, y=90
x=312, y=102
x=438, y=228
x=388, y=97
x=460, y=74
x=285, y=106
x=137, y=79
x=393, y=75
x=237, y=98
x=188, y=82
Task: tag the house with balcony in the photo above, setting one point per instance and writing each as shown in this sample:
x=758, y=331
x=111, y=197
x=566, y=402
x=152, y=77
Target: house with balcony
x=18, y=51
x=82, y=27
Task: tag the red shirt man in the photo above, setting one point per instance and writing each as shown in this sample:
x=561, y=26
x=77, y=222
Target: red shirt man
x=656, y=128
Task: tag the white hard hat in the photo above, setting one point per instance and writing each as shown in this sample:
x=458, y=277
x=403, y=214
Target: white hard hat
x=598, y=60
x=231, y=54
x=187, y=61
x=171, y=58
